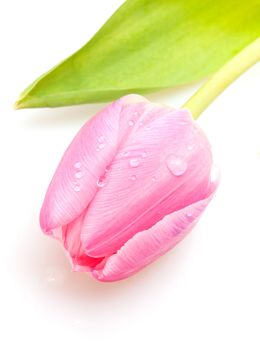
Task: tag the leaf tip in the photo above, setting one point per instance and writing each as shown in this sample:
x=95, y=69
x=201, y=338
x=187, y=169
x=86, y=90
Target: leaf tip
x=22, y=102
x=17, y=105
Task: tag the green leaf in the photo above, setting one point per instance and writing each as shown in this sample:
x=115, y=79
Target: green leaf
x=148, y=45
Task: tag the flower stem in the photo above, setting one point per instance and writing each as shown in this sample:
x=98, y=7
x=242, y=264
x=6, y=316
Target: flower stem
x=222, y=78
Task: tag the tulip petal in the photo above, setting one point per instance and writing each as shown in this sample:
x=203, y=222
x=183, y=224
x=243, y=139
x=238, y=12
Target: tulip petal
x=72, y=244
x=140, y=187
x=148, y=245
x=75, y=182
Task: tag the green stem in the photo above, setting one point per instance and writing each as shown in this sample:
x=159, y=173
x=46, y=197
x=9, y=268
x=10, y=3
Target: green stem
x=222, y=78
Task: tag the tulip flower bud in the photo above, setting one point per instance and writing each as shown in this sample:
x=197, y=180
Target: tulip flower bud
x=131, y=185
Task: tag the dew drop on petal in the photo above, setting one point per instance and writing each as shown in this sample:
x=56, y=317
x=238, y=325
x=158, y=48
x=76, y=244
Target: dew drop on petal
x=141, y=124
x=101, y=139
x=100, y=183
x=135, y=113
x=77, y=165
x=189, y=213
x=76, y=188
x=133, y=177
x=101, y=145
x=177, y=166
x=78, y=174
x=131, y=123
x=144, y=154
x=134, y=162
x=153, y=178
x=190, y=147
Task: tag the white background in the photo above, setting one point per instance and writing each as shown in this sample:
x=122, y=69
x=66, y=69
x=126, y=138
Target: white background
x=202, y=295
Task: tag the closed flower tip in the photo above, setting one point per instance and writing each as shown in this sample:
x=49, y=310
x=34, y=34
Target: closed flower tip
x=133, y=182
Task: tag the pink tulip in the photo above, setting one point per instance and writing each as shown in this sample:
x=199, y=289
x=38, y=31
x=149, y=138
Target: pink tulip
x=131, y=185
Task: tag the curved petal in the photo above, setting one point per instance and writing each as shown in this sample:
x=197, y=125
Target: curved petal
x=75, y=182
x=73, y=246
x=148, y=245
x=163, y=166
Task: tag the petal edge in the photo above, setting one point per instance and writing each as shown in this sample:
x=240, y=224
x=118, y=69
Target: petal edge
x=148, y=245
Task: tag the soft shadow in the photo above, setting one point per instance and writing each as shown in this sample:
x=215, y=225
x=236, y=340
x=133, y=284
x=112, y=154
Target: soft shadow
x=43, y=265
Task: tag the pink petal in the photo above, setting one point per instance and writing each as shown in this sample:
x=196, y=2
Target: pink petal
x=139, y=188
x=72, y=244
x=74, y=184
x=148, y=245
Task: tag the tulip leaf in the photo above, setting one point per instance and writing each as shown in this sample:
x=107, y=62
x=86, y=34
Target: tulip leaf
x=148, y=45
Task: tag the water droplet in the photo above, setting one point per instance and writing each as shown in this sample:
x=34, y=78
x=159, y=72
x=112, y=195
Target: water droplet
x=77, y=165
x=133, y=177
x=106, y=170
x=54, y=276
x=176, y=165
x=134, y=162
x=76, y=188
x=144, y=154
x=141, y=124
x=135, y=113
x=190, y=147
x=101, y=139
x=154, y=178
x=78, y=174
x=101, y=145
x=131, y=123
x=189, y=213
x=101, y=183
x=126, y=154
